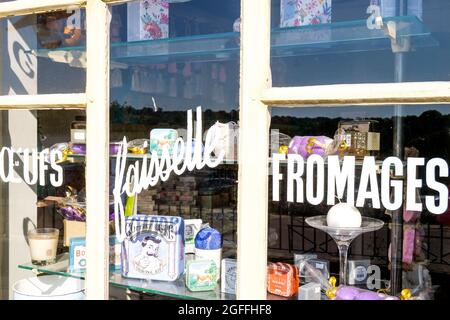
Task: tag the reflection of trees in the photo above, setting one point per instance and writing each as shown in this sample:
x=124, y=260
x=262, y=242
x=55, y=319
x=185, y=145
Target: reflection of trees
x=125, y=114
x=429, y=132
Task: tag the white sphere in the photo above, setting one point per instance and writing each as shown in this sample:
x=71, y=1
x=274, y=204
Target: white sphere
x=344, y=215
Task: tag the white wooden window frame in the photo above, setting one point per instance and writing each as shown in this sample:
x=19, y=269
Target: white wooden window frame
x=256, y=97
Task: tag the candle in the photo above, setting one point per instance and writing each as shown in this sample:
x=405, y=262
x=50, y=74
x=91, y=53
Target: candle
x=43, y=244
x=344, y=215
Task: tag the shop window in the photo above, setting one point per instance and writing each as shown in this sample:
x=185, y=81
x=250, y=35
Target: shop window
x=361, y=134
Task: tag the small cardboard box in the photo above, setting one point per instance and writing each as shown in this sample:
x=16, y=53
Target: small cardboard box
x=73, y=229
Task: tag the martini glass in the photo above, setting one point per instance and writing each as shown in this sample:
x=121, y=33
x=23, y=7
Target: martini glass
x=344, y=237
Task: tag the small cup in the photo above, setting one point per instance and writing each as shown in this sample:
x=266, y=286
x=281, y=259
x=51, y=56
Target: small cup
x=43, y=244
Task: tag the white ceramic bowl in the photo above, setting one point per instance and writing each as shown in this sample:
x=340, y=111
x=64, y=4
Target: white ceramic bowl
x=50, y=287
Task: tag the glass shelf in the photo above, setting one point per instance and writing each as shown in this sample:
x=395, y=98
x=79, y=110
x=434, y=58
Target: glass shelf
x=347, y=36
x=176, y=289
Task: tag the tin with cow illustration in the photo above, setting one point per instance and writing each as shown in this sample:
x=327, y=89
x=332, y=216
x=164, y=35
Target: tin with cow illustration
x=153, y=248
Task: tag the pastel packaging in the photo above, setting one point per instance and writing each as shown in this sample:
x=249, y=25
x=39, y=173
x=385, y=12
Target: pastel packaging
x=161, y=139
x=309, y=291
x=322, y=266
x=148, y=20
x=300, y=259
x=308, y=145
x=191, y=228
x=201, y=275
x=228, y=276
x=77, y=254
x=282, y=279
x=304, y=12
x=153, y=247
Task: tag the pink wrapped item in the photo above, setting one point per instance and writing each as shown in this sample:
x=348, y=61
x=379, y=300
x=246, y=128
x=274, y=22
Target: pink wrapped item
x=308, y=145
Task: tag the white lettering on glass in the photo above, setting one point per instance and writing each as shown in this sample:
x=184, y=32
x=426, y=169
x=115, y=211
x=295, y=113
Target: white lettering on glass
x=295, y=172
x=387, y=183
x=442, y=190
x=35, y=166
x=135, y=179
x=341, y=180
x=338, y=178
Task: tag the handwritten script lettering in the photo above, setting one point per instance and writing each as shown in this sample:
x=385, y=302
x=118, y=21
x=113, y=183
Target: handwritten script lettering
x=148, y=172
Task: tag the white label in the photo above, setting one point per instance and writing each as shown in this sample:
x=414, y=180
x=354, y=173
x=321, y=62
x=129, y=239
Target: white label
x=79, y=135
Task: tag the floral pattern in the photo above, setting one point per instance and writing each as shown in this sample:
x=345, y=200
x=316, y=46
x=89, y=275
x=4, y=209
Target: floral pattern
x=155, y=19
x=305, y=12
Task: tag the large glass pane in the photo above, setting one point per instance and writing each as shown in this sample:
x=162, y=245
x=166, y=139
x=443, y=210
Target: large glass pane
x=180, y=69
x=33, y=53
x=324, y=42
x=359, y=143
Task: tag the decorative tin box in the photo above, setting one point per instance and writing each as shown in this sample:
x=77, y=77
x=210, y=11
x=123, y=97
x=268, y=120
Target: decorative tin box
x=201, y=275
x=77, y=254
x=191, y=228
x=153, y=247
x=148, y=20
x=228, y=276
x=304, y=12
x=162, y=138
x=282, y=279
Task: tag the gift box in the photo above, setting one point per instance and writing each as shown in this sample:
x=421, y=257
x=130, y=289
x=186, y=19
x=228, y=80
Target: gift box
x=73, y=229
x=296, y=13
x=148, y=20
x=77, y=254
x=153, y=247
x=282, y=279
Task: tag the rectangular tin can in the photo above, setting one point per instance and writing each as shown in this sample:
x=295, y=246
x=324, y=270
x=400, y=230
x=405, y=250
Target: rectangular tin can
x=153, y=248
x=77, y=254
x=229, y=272
x=201, y=275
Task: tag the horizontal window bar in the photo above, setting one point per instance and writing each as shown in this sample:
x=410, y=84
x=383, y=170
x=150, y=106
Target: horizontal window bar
x=24, y=7
x=359, y=94
x=44, y=101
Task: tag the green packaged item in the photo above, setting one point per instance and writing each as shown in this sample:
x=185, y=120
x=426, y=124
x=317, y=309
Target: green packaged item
x=201, y=275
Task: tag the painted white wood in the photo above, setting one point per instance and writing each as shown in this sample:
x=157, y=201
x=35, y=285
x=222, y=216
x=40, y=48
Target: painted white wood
x=44, y=101
x=359, y=94
x=23, y=7
x=254, y=119
x=97, y=160
x=19, y=130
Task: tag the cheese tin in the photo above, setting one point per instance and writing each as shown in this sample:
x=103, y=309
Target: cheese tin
x=162, y=138
x=153, y=247
x=77, y=254
x=201, y=275
x=228, y=276
x=191, y=228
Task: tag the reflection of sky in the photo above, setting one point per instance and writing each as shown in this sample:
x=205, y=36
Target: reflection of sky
x=355, y=112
